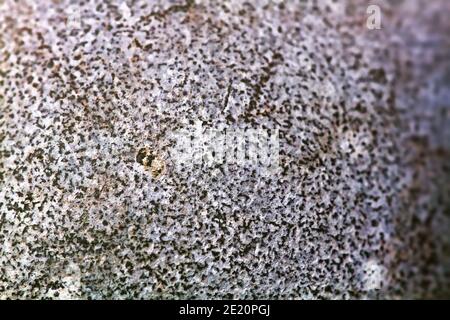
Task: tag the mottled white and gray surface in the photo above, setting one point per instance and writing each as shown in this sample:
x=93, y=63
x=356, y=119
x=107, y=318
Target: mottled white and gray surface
x=359, y=208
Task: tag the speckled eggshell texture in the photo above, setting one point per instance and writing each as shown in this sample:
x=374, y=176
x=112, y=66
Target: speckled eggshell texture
x=93, y=204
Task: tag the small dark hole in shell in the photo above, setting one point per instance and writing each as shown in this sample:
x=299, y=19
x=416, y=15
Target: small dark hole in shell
x=145, y=157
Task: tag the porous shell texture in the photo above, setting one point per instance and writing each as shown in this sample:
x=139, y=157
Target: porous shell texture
x=358, y=208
